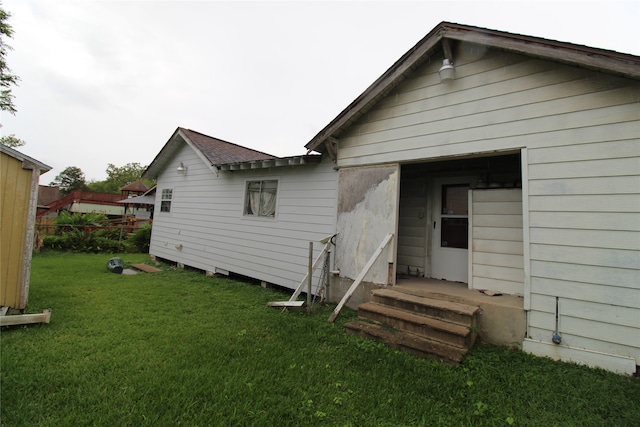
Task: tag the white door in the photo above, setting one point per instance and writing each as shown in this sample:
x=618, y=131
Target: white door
x=450, y=238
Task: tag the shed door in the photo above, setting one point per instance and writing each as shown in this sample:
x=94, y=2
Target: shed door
x=450, y=238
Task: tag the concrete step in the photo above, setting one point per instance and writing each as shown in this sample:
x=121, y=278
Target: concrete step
x=406, y=341
x=455, y=312
x=419, y=324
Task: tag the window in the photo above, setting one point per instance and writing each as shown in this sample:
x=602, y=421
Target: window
x=165, y=200
x=455, y=221
x=260, y=198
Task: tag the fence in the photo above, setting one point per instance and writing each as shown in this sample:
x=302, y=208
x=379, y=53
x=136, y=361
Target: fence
x=126, y=225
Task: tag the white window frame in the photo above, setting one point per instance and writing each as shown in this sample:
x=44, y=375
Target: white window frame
x=166, y=196
x=246, y=207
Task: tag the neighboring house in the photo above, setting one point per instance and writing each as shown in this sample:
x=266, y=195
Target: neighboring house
x=141, y=206
x=507, y=162
x=47, y=195
x=19, y=175
x=84, y=201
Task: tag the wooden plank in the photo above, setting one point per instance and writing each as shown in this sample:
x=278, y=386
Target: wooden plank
x=286, y=304
x=611, y=239
x=146, y=268
x=315, y=264
x=497, y=233
x=496, y=207
x=623, y=296
x=585, y=152
x=585, y=168
x=586, y=185
x=498, y=246
x=621, y=221
x=25, y=319
x=586, y=256
x=360, y=277
x=498, y=259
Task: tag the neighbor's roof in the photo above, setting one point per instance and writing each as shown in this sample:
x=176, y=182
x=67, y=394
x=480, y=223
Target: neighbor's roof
x=567, y=53
x=213, y=151
x=135, y=186
x=27, y=162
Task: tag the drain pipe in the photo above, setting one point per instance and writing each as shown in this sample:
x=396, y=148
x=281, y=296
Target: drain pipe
x=557, y=339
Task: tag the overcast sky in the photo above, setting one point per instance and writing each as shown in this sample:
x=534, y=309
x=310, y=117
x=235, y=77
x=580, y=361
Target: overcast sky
x=109, y=81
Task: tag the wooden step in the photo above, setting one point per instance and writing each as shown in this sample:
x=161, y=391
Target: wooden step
x=419, y=324
x=406, y=341
x=462, y=314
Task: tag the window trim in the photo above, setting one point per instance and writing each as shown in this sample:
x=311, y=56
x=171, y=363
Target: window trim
x=246, y=200
x=166, y=197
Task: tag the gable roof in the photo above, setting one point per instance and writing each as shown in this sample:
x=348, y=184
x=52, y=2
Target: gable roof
x=213, y=151
x=577, y=55
x=27, y=162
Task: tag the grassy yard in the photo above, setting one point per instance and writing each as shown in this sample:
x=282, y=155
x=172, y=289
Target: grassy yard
x=180, y=349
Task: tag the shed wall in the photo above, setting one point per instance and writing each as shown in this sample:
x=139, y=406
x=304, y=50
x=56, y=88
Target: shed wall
x=15, y=191
x=207, y=220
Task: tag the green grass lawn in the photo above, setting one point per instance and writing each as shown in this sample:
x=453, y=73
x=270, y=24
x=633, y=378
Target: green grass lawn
x=180, y=349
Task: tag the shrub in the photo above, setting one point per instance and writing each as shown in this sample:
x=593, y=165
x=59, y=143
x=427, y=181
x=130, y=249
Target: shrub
x=142, y=238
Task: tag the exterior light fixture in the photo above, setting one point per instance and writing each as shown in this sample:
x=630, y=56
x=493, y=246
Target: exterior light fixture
x=447, y=71
x=182, y=169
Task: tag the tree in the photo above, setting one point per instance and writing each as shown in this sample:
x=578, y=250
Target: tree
x=12, y=141
x=70, y=179
x=118, y=177
x=6, y=78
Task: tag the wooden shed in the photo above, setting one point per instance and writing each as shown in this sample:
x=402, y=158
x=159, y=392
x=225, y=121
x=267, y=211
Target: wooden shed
x=19, y=175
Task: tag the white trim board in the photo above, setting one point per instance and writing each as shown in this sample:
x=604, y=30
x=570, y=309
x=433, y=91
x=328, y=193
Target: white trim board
x=611, y=362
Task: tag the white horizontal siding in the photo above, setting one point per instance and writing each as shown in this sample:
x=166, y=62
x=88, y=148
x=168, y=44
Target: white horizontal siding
x=581, y=132
x=412, y=236
x=497, y=261
x=207, y=219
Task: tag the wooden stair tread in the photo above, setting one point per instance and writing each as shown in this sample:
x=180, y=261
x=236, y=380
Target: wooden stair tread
x=417, y=319
x=456, y=307
x=407, y=341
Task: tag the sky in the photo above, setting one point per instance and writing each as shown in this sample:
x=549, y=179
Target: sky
x=108, y=82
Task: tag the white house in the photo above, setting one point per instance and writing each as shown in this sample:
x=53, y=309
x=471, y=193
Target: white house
x=225, y=208
x=507, y=162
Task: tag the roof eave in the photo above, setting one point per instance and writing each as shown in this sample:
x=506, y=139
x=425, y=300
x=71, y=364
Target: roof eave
x=597, y=59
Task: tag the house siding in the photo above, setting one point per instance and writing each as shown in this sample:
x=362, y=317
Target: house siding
x=496, y=258
x=207, y=220
x=580, y=129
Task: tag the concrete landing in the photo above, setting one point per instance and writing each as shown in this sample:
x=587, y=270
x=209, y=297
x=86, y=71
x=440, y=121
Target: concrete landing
x=502, y=319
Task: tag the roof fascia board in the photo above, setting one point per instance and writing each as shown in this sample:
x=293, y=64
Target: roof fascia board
x=27, y=162
x=599, y=59
x=577, y=55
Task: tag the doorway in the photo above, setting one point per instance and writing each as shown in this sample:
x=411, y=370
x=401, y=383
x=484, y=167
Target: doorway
x=449, y=241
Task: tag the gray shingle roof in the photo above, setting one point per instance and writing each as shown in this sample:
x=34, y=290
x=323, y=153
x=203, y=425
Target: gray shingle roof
x=220, y=152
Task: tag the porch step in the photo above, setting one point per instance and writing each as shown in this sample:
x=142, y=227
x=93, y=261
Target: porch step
x=406, y=341
x=420, y=325
x=454, y=312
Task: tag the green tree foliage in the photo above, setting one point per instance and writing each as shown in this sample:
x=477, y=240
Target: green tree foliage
x=12, y=141
x=7, y=80
x=70, y=179
x=118, y=177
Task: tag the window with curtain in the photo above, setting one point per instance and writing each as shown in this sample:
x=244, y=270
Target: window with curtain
x=260, y=198
x=165, y=200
